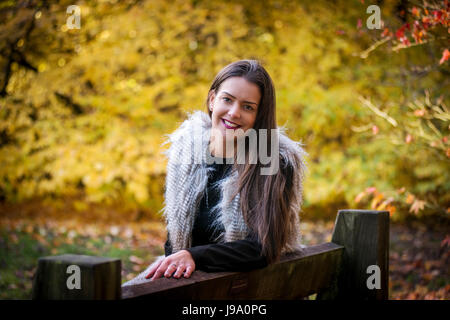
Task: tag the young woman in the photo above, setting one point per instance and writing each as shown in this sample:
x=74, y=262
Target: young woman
x=223, y=214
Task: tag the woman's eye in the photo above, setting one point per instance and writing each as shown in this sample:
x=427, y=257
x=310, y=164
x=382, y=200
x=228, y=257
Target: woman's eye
x=249, y=108
x=226, y=99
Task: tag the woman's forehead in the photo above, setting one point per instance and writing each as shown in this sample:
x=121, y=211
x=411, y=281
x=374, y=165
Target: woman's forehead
x=241, y=89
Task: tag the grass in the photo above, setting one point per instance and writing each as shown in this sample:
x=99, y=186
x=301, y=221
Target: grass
x=21, y=246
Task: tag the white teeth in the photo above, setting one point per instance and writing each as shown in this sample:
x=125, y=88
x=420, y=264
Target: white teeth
x=230, y=124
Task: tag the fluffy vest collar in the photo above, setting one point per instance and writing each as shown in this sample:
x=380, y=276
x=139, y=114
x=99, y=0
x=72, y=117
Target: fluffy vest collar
x=187, y=177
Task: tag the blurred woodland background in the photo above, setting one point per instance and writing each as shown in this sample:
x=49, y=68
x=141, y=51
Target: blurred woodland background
x=83, y=114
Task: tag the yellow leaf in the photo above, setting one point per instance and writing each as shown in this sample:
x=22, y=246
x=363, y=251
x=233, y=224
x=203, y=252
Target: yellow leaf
x=410, y=198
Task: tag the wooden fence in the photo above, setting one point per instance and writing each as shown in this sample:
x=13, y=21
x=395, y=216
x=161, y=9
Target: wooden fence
x=354, y=265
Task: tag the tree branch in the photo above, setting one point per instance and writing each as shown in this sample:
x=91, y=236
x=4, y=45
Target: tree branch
x=377, y=111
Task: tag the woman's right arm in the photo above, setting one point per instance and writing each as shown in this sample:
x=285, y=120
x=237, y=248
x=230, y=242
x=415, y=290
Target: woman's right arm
x=238, y=255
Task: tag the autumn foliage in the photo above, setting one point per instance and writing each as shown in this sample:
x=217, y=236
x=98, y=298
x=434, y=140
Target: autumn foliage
x=423, y=123
x=83, y=112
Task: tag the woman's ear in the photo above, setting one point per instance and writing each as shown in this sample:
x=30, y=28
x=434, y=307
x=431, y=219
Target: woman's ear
x=212, y=96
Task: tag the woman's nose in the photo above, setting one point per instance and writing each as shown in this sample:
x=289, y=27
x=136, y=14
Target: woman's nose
x=234, y=111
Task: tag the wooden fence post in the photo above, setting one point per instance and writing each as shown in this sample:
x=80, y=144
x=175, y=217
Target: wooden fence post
x=364, y=273
x=77, y=277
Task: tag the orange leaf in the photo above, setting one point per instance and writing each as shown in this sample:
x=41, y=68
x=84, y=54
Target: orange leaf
x=391, y=209
x=410, y=198
x=359, y=197
x=419, y=113
x=385, y=203
x=376, y=200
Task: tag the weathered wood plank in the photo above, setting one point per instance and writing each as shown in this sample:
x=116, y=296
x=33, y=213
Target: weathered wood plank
x=295, y=276
x=365, y=237
x=100, y=278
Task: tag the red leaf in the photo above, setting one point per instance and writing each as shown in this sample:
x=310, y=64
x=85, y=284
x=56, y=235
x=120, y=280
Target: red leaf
x=445, y=56
x=417, y=25
x=400, y=33
x=405, y=41
x=359, y=24
x=371, y=190
x=446, y=241
x=375, y=130
x=437, y=15
x=408, y=138
x=426, y=22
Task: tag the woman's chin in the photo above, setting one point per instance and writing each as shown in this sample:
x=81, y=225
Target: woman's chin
x=227, y=135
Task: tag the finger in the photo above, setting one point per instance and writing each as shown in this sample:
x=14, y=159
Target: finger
x=151, y=272
x=160, y=271
x=153, y=269
x=179, y=271
x=188, y=271
x=170, y=270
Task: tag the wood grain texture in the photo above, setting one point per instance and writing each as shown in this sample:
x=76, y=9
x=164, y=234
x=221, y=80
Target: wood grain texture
x=295, y=276
x=100, y=278
x=365, y=236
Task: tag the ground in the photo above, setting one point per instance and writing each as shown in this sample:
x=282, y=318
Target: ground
x=418, y=268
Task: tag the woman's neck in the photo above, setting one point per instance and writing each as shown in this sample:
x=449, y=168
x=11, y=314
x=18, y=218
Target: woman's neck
x=221, y=148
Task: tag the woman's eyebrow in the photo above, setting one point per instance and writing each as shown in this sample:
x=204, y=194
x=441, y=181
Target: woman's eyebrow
x=235, y=98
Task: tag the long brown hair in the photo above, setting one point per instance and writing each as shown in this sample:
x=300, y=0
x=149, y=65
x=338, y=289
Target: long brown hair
x=264, y=199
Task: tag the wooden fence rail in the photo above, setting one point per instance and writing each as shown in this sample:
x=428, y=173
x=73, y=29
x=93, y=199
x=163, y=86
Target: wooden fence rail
x=354, y=265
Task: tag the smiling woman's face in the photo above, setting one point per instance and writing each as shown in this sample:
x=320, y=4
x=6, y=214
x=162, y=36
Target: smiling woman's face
x=235, y=105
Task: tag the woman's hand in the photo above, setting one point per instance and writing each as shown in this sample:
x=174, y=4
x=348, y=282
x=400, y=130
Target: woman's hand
x=175, y=265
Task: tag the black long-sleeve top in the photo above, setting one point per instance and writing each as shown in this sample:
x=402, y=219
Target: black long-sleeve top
x=239, y=255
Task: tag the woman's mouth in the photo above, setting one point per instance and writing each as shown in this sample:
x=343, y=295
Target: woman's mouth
x=229, y=124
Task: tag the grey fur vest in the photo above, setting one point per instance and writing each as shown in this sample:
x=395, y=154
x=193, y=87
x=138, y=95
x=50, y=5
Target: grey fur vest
x=187, y=177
